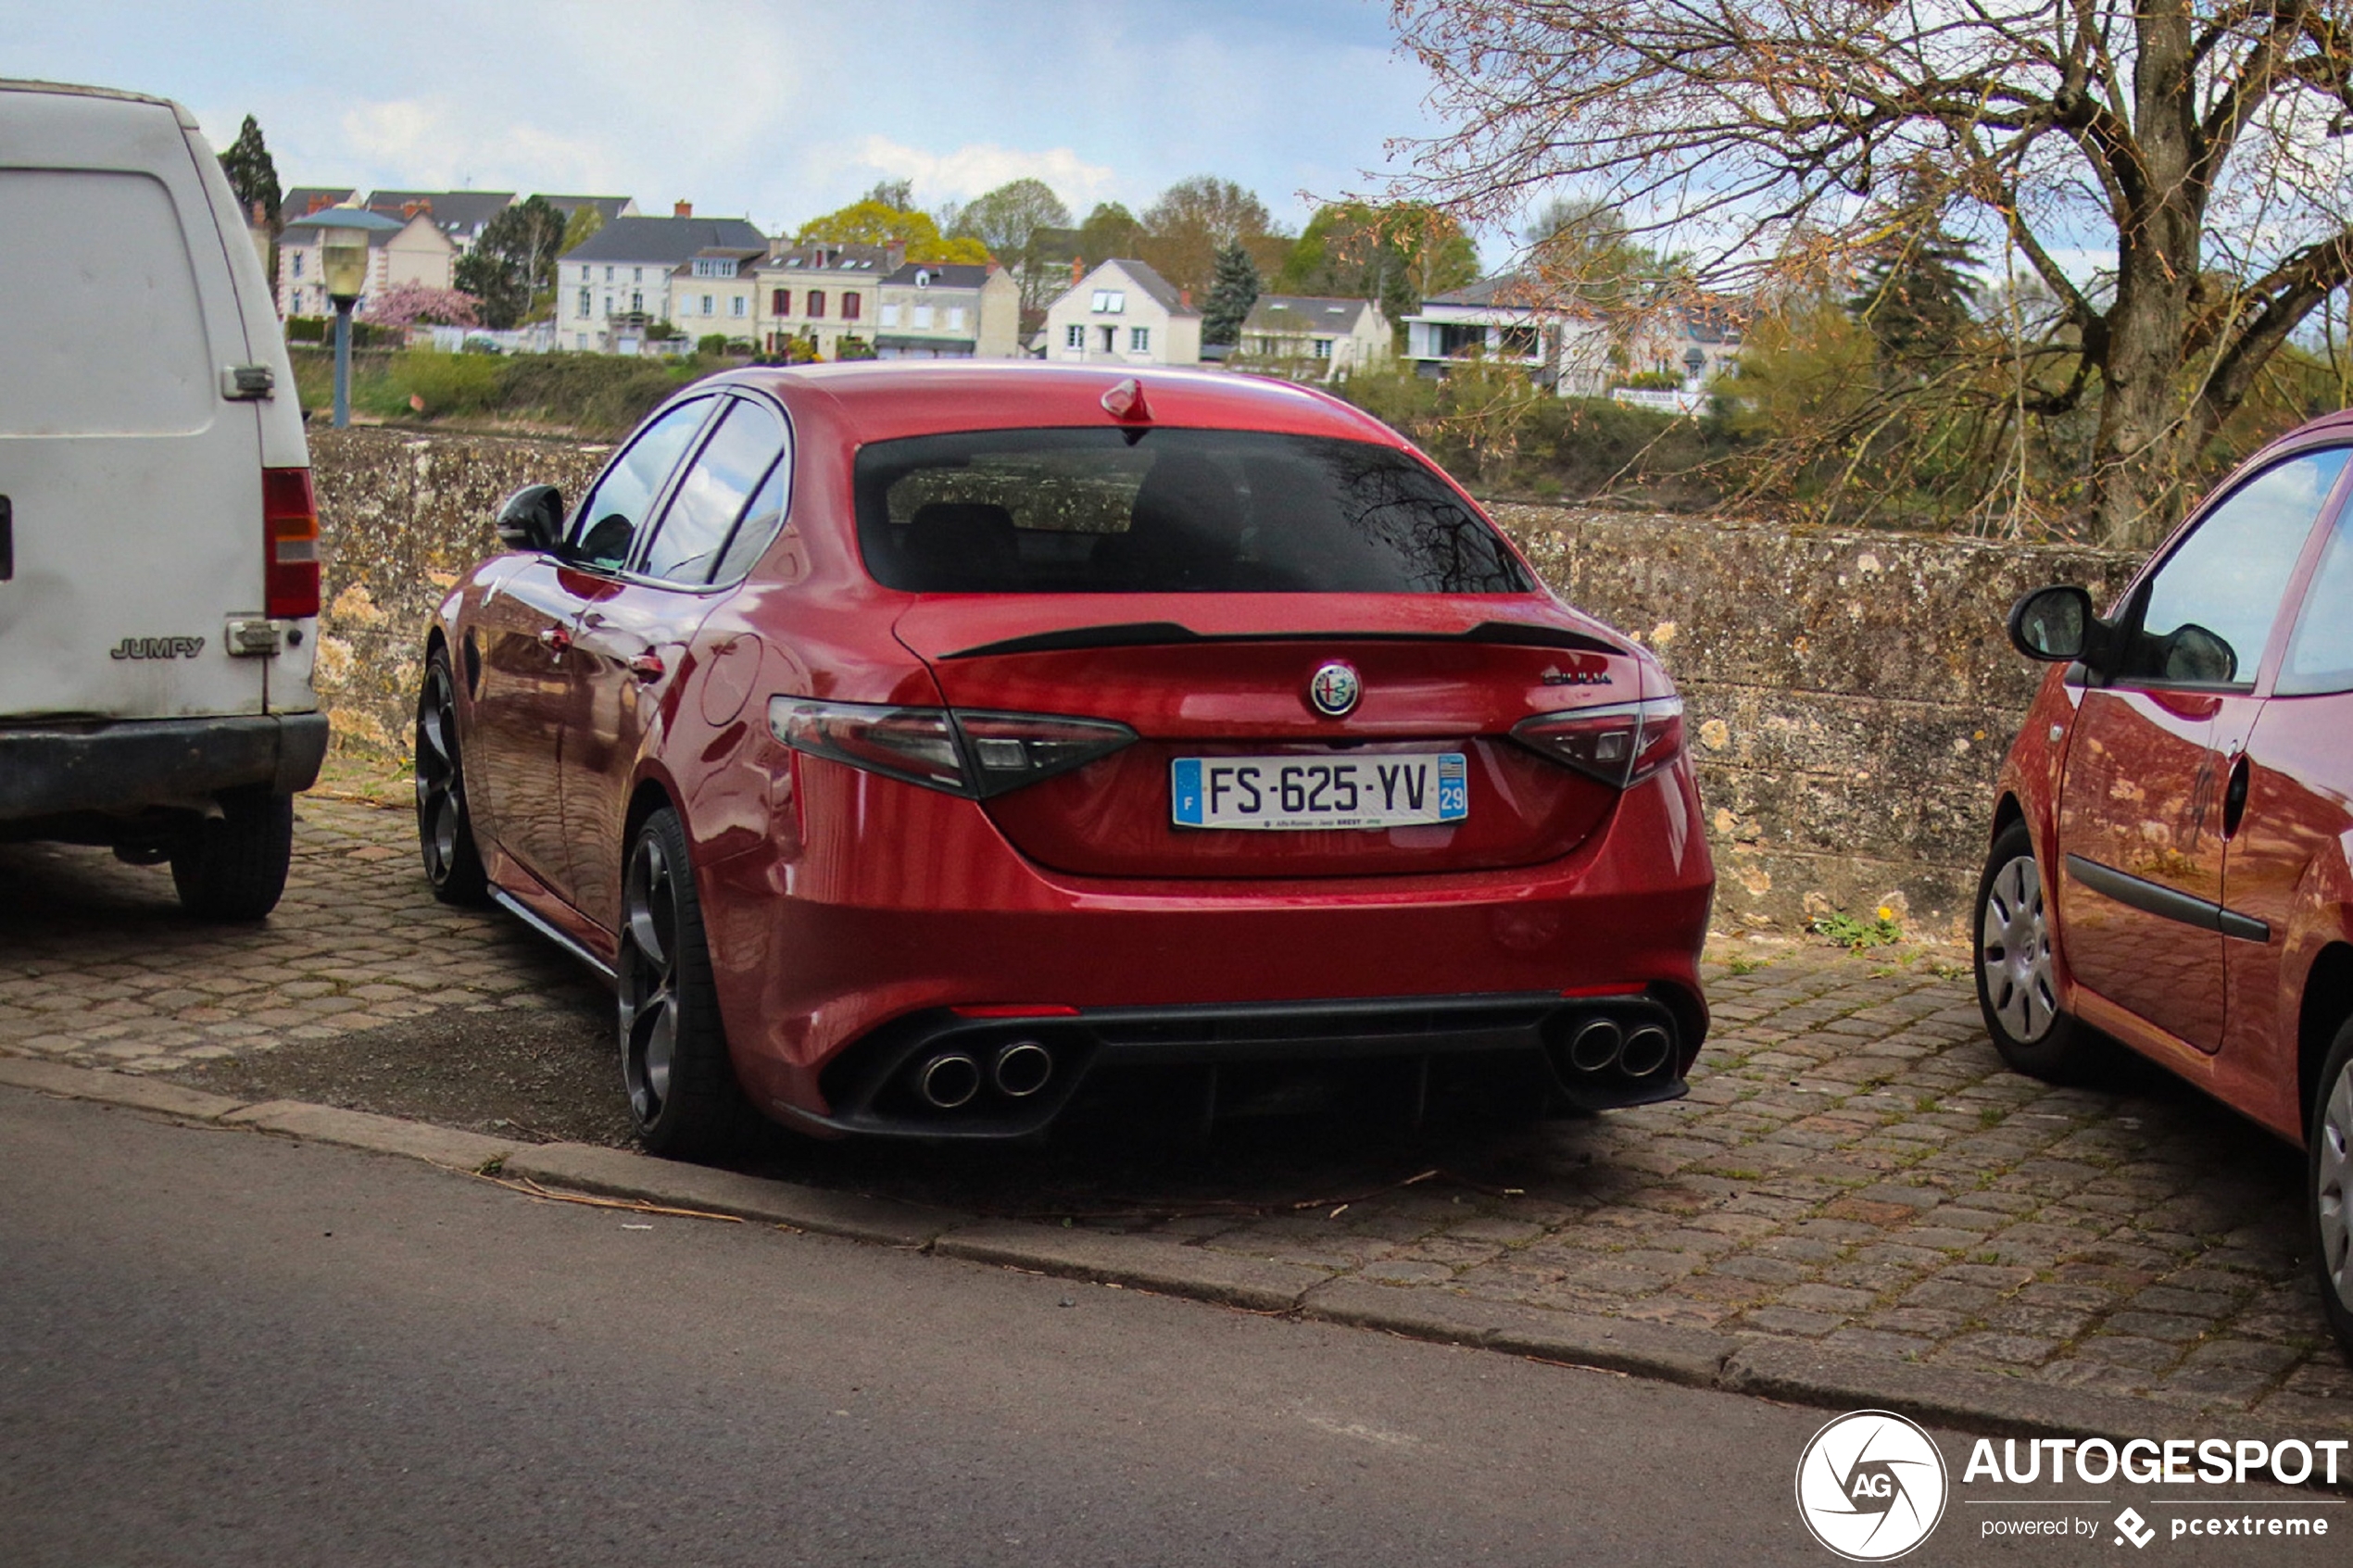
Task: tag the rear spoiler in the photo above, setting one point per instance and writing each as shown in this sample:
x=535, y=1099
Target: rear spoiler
x=1162, y=633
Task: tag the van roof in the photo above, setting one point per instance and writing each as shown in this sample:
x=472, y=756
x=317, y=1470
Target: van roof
x=74, y=90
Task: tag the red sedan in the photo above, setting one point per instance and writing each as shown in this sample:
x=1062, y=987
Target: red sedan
x=921, y=746
x=2171, y=864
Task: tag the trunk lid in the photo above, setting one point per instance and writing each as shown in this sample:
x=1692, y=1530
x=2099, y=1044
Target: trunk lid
x=1220, y=676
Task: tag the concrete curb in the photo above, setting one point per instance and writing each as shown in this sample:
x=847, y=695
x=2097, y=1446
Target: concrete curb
x=614, y=1172
x=1259, y=1284
x=114, y=1089
x=380, y=1134
x=1792, y=1371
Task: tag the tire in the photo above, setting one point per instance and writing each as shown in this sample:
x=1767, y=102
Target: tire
x=445, y=824
x=2328, y=1174
x=674, y=1068
x=233, y=867
x=2015, y=989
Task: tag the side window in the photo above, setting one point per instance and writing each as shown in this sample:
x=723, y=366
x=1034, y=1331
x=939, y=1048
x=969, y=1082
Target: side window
x=712, y=494
x=606, y=526
x=2319, y=656
x=759, y=527
x=2208, y=612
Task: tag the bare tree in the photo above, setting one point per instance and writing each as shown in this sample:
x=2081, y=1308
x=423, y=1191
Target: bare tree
x=2198, y=140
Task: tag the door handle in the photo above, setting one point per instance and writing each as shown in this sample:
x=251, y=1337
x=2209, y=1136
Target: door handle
x=2235, y=796
x=556, y=640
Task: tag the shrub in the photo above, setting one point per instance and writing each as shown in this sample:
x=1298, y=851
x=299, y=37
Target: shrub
x=713, y=343
x=599, y=394
x=426, y=381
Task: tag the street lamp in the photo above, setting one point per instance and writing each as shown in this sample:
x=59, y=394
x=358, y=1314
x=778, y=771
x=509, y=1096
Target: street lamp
x=343, y=256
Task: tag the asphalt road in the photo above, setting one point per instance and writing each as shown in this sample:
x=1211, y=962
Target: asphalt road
x=220, y=1347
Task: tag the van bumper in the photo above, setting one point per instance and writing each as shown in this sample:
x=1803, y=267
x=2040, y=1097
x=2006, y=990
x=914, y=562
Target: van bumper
x=133, y=765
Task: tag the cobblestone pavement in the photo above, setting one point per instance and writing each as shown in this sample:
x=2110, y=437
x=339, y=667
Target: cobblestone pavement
x=1852, y=1166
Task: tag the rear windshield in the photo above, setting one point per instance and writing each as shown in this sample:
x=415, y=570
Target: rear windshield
x=1167, y=511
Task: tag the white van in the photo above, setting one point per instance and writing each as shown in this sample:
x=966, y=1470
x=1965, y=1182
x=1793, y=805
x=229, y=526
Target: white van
x=158, y=541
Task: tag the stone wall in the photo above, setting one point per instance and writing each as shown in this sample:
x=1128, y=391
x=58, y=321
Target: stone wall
x=1849, y=695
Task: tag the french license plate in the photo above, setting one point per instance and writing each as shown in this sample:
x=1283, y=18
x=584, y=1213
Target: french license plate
x=1376, y=790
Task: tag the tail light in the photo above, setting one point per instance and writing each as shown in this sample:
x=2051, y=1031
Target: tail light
x=957, y=751
x=290, y=544
x=1619, y=744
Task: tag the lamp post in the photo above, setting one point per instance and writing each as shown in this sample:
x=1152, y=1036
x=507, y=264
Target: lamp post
x=344, y=233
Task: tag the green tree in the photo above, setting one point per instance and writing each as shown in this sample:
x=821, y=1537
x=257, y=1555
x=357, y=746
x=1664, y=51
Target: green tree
x=1233, y=289
x=1916, y=297
x=899, y=193
x=252, y=174
x=586, y=220
x=1110, y=231
x=1396, y=255
x=1195, y=219
x=1007, y=220
x=871, y=222
x=512, y=268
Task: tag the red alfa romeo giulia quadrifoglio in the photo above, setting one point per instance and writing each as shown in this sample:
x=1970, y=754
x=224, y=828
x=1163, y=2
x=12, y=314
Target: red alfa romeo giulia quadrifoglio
x=922, y=747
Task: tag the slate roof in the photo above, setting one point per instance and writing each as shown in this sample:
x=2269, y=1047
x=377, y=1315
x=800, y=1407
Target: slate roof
x=875, y=259
x=454, y=212
x=944, y=274
x=1152, y=284
x=303, y=200
x=609, y=206
x=1284, y=313
x=667, y=242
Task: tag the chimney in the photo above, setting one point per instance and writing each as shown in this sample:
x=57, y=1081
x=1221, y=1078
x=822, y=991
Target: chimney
x=1185, y=299
x=1077, y=268
x=682, y=210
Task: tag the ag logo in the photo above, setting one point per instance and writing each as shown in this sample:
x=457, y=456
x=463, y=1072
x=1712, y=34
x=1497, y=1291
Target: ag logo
x=1871, y=1485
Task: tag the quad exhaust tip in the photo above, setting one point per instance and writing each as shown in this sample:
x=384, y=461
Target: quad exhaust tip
x=1646, y=1051
x=1022, y=1069
x=1596, y=1046
x=949, y=1080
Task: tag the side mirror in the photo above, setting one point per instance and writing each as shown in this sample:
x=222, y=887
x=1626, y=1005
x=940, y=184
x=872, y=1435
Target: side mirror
x=532, y=519
x=2053, y=624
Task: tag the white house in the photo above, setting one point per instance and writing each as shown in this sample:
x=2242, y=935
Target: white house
x=1123, y=313
x=1511, y=321
x=948, y=311
x=1322, y=337
x=411, y=252
x=823, y=293
x=635, y=271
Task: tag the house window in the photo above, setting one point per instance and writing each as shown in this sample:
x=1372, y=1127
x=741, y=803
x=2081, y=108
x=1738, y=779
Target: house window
x=583, y=303
x=636, y=274
x=850, y=305
x=636, y=301
x=890, y=314
x=297, y=262
x=1110, y=302
x=1323, y=348
x=736, y=306
x=816, y=302
x=706, y=304
x=609, y=274
x=780, y=302
x=1074, y=336
x=714, y=267
x=1139, y=340
x=955, y=318
x=923, y=317
x=607, y=304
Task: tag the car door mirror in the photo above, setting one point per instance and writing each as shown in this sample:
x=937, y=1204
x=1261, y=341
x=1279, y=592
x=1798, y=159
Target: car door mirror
x=2055, y=625
x=532, y=519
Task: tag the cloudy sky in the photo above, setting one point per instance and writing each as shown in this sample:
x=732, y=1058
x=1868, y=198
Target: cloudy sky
x=771, y=110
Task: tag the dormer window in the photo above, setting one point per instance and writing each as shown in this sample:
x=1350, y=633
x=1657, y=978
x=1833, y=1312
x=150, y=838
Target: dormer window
x=1110, y=302
x=923, y=279
x=714, y=267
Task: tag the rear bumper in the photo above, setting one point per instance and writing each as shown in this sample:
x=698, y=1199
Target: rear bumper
x=134, y=765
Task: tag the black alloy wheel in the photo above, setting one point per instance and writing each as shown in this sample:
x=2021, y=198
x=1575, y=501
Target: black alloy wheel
x=683, y=1093
x=2016, y=987
x=445, y=828
x=2329, y=1172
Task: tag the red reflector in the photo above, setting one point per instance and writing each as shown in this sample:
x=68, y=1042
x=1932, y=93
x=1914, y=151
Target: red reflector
x=1014, y=1011
x=1635, y=990
x=289, y=544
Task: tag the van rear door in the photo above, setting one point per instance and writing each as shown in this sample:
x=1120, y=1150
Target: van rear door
x=131, y=484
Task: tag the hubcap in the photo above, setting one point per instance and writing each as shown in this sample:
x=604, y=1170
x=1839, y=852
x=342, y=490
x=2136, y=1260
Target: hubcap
x=2014, y=952
x=441, y=801
x=649, y=979
x=2328, y=1185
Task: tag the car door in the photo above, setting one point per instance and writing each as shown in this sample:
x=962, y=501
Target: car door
x=528, y=708
x=2287, y=815
x=631, y=639
x=2155, y=744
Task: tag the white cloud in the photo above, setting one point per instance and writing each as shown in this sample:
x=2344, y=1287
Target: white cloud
x=979, y=167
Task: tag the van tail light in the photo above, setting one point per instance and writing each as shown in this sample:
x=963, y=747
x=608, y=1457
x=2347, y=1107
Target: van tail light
x=290, y=544
x=959, y=751
x=1620, y=745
